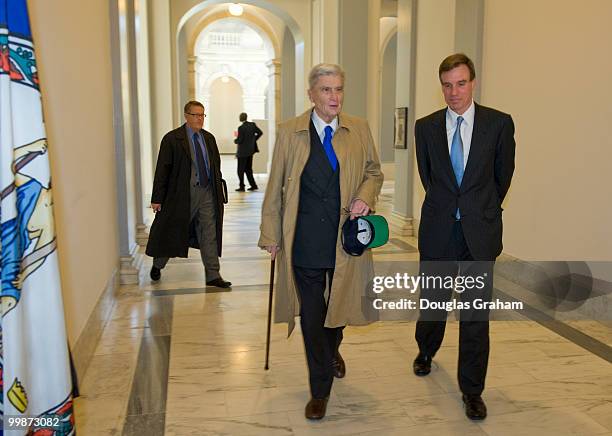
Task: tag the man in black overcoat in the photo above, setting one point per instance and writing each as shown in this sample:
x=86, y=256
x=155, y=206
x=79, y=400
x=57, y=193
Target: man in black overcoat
x=188, y=197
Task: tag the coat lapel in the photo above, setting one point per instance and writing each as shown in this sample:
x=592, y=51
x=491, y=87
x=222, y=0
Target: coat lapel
x=477, y=144
x=302, y=142
x=320, y=157
x=441, y=145
x=339, y=144
x=184, y=142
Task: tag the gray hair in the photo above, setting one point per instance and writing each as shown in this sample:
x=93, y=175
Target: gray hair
x=324, y=70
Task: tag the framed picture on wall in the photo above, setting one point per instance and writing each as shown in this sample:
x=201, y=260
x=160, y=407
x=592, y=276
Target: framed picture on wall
x=401, y=127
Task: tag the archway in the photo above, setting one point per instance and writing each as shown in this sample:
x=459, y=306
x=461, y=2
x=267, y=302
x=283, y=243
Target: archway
x=232, y=47
x=299, y=55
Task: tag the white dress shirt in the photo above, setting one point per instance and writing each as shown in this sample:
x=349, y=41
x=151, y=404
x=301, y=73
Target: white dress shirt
x=320, y=125
x=467, y=128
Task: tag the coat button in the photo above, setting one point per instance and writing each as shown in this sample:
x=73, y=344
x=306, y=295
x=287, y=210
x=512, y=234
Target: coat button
x=322, y=220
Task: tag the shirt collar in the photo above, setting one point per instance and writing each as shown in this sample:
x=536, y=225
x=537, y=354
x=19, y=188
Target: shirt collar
x=468, y=115
x=190, y=132
x=320, y=124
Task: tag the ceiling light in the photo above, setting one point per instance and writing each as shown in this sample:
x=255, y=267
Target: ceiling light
x=235, y=9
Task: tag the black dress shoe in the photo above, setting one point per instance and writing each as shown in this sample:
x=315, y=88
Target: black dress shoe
x=240, y=189
x=316, y=408
x=339, y=366
x=219, y=283
x=155, y=274
x=475, y=408
x=253, y=188
x=422, y=365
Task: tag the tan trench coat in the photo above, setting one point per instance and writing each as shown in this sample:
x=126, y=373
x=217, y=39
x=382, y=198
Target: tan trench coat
x=360, y=177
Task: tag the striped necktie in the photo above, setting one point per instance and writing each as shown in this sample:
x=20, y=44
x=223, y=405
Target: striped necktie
x=201, y=161
x=456, y=156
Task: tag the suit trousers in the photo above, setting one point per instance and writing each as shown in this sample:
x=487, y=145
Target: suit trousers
x=321, y=343
x=202, y=209
x=245, y=165
x=458, y=265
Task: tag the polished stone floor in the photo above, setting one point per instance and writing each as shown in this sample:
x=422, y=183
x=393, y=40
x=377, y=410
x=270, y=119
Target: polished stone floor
x=178, y=358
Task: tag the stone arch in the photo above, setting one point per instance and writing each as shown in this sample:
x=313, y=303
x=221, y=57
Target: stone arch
x=271, y=7
x=260, y=26
x=300, y=59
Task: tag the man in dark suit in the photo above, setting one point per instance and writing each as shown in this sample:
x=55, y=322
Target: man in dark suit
x=465, y=156
x=188, y=198
x=248, y=134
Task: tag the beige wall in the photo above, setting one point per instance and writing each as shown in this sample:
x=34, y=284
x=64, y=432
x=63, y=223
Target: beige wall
x=225, y=98
x=73, y=63
x=553, y=77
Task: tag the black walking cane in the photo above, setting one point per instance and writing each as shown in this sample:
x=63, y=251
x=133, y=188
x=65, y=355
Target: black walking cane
x=266, y=367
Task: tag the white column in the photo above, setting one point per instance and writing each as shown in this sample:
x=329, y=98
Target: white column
x=274, y=102
x=373, y=62
x=405, y=97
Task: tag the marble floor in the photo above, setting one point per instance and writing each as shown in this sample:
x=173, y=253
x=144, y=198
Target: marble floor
x=177, y=358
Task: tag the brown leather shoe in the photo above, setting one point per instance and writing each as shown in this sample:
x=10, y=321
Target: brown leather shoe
x=339, y=366
x=316, y=408
x=475, y=408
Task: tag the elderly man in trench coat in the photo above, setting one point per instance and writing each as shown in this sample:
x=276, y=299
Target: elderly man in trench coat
x=325, y=169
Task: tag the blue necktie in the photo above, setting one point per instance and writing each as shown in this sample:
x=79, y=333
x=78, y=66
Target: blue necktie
x=202, y=162
x=329, y=149
x=456, y=156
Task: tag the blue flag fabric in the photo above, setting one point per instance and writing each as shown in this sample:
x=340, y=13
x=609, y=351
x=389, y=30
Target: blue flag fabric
x=34, y=362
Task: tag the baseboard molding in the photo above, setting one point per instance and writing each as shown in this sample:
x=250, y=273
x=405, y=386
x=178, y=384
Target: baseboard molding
x=416, y=222
x=142, y=236
x=586, y=298
x=560, y=284
x=401, y=225
x=85, y=346
x=129, y=267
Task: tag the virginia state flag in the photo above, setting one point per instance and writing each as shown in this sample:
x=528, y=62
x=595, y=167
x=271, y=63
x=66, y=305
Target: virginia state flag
x=35, y=369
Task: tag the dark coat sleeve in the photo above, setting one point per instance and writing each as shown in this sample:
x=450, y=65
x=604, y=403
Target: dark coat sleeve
x=240, y=138
x=162, y=170
x=258, y=132
x=422, y=154
x=504, y=157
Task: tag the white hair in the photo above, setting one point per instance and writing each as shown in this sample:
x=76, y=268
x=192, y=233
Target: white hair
x=324, y=70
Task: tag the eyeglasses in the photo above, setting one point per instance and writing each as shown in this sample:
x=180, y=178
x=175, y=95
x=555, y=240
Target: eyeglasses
x=196, y=115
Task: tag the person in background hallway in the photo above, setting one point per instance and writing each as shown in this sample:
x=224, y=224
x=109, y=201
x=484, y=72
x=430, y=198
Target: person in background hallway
x=248, y=134
x=465, y=156
x=188, y=198
x=324, y=169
